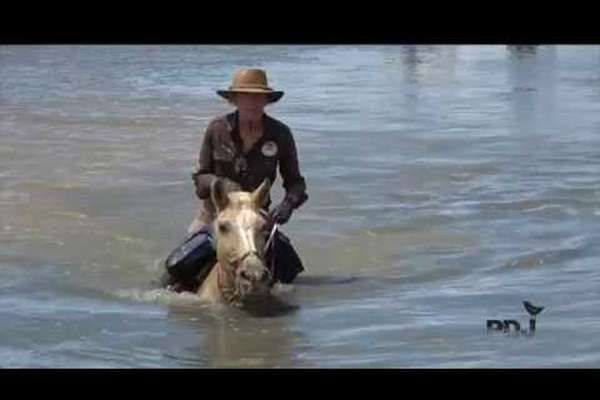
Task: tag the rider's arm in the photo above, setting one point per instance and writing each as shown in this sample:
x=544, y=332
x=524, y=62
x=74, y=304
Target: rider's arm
x=204, y=174
x=293, y=181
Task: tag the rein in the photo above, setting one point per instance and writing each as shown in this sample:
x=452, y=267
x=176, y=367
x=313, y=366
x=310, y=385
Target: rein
x=271, y=236
x=268, y=244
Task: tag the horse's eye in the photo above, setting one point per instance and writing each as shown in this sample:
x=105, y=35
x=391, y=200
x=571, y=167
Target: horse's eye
x=224, y=227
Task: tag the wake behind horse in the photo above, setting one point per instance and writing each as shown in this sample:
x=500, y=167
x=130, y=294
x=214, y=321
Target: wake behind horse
x=240, y=231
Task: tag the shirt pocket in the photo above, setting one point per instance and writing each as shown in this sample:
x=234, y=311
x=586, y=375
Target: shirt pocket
x=223, y=158
x=270, y=165
x=224, y=154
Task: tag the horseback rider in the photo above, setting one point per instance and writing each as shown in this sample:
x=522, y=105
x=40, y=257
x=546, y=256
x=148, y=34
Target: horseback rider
x=242, y=148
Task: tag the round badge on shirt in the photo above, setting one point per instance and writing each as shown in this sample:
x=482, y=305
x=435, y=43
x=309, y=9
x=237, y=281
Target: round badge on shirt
x=269, y=149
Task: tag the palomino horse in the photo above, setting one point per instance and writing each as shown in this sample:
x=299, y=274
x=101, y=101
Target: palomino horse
x=240, y=230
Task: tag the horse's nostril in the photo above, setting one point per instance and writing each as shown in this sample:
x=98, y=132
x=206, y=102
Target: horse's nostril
x=245, y=275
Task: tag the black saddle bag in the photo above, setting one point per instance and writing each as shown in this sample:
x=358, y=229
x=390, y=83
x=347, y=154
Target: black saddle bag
x=287, y=262
x=189, y=259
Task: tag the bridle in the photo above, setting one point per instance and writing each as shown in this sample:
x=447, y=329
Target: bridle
x=231, y=293
x=237, y=262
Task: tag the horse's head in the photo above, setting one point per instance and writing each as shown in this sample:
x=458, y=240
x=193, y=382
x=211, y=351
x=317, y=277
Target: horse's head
x=240, y=232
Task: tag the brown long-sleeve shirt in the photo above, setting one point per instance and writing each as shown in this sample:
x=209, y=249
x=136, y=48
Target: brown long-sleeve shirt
x=222, y=155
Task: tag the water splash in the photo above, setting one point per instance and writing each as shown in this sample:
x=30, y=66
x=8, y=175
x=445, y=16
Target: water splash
x=161, y=296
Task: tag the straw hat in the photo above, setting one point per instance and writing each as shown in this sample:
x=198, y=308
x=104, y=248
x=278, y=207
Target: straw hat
x=251, y=81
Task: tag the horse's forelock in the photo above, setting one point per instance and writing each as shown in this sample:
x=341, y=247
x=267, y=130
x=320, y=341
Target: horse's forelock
x=240, y=203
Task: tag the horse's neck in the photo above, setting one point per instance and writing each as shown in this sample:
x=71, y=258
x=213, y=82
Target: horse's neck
x=211, y=289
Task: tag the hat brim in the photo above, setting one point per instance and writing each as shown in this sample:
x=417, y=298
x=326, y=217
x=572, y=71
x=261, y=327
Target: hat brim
x=272, y=95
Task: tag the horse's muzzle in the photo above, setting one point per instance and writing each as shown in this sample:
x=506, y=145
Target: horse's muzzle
x=253, y=277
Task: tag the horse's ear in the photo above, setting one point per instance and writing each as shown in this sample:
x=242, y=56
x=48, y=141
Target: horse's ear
x=260, y=194
x=219, y=195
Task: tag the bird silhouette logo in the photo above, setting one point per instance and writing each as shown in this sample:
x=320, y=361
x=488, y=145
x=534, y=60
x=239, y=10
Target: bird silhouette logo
x=505, y=325
x=531, y=309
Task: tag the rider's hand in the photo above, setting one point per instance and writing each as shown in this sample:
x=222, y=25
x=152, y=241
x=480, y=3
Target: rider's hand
x=282, y=212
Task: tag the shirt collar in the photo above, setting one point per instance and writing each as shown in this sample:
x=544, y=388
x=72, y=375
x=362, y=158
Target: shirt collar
x=234, y=119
